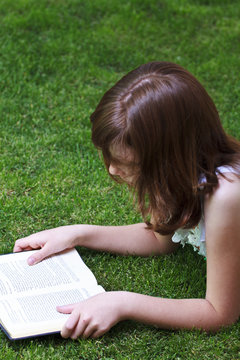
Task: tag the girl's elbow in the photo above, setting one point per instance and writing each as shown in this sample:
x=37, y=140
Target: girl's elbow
x=221, y=321
x=228, y=320
x=217, y=319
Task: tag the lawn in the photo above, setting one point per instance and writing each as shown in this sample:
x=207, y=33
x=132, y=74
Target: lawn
x=56, y=60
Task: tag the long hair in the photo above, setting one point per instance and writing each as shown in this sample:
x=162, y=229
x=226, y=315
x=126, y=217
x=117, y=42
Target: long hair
x=165, y=116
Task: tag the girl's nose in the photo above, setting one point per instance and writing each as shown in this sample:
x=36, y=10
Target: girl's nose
x=113, y=170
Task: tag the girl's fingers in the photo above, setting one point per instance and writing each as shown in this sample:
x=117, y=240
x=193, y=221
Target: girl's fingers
x=69, y=326
x=66, y=309
x=96, y=334
x=80, y=329
x=75, y=326
x=39, y=255
x=88, y=332
x=28, y=244
x=21, y=244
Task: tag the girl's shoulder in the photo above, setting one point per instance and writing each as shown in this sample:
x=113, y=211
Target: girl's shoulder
x=221, y=211
x=228, y=190
x=222, y=206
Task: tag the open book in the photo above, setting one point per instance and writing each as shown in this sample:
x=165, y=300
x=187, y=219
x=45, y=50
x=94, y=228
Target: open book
x=29, y=294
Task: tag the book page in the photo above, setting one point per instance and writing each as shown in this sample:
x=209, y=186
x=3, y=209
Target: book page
x=37, y=313
x=32, y=308
x=29, y=294
x=16, y=276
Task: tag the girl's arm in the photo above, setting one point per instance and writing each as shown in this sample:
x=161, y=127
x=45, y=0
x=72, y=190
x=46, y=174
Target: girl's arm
x=221, y=305
x=222, y=212
x=126, y=240
x=131, y=239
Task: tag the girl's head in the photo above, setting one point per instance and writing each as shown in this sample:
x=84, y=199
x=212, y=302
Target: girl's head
x=159, y=130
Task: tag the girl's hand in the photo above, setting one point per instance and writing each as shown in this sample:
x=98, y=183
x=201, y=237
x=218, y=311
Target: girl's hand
x=49, y=242
x=94, y=316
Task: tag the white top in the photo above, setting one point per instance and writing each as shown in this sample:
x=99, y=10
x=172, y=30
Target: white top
x=196, y=236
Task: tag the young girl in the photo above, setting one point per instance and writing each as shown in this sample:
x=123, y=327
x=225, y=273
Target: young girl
x=159, y=132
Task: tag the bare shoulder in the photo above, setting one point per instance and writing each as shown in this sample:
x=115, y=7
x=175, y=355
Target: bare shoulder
x=225, y=199
x=222, y=219
x=222, y=222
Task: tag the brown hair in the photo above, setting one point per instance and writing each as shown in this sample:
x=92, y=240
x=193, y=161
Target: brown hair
x=166, y=117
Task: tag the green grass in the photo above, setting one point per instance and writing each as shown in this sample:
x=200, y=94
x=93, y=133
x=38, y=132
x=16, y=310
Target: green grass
x=56, y=60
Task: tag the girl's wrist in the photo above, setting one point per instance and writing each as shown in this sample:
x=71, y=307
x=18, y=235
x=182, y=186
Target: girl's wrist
x=124, y=305
x=82, y=234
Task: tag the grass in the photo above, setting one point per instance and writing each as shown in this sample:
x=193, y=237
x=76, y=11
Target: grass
x=57, y=58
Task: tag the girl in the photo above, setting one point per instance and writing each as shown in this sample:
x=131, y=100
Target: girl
x=159, y=132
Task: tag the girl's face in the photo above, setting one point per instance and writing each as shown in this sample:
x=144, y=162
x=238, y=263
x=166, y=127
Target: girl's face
x=125, y=165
